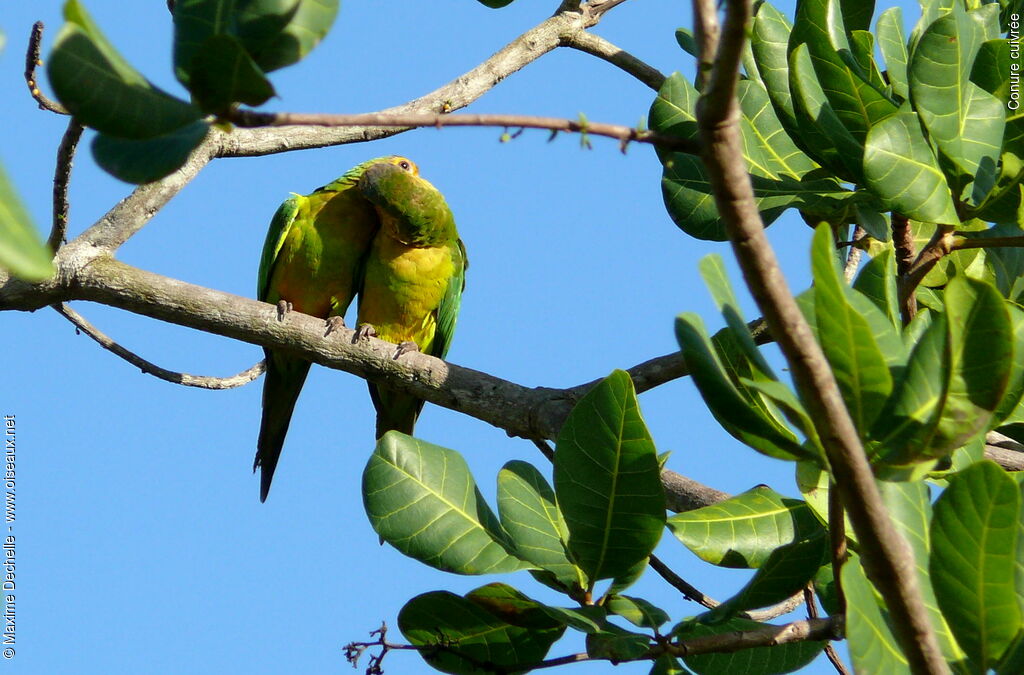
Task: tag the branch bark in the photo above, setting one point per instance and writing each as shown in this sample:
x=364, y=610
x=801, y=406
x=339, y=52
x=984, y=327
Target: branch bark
x=887, y=557
x=532, y=413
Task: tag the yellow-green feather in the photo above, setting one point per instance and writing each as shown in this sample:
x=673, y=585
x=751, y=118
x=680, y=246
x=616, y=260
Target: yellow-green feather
x=415, y=274
x=312, y=258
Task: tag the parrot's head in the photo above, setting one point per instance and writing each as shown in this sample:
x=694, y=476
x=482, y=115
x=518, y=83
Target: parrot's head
x=403, y=163
x=410, y=209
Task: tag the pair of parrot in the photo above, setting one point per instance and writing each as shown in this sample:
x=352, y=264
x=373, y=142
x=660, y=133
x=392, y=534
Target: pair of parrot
x=379, y=231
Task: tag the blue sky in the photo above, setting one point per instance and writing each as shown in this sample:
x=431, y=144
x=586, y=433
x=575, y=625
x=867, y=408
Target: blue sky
x=142, y=545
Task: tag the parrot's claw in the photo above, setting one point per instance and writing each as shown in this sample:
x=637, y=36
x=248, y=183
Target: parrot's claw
x=334, y=323
x=283, y=307
x=405, y=348
x=363, y=332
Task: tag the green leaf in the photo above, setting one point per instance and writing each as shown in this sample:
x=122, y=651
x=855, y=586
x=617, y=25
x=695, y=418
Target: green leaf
x=784, y=658
x=744, y=530
x=630, y=576
x=872, y=645
x=981, y=344
x=910, y=508
x=903, y=172
x=732, y=407
x=769, y=39
x=304, y=23
x=862, y=48
x=956, y=377
x=687, y=42
x=857, y=14
x=846, y=338
x=825, y=136
x=21, y=250
x=974, y=535
x=147, y=160
x=991, y=66
x=616, y=644
x=470, y=639
x=877, y=282
x=224, y=73
x=526, y=504
x=788, y=569
x=1015, y=381
x=905, y=427
x=819, y=24
x=608, y=482
x=587, y=619
x=102, y=90
x=637, y=611
x=893, y=46
x=667, y=665
x=513, y=607
x=768, y=148
x=964, y=120
x=876, y=224
x=685, y=187
x=422, y=500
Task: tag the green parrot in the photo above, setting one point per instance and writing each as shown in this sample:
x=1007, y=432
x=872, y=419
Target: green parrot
x=415, y=274
x=312, y=262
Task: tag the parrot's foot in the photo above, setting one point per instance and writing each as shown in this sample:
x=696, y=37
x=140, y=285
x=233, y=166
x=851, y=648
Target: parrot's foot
x=363, y=332
x=334, y=323
x=283, y=307
x=405, y=348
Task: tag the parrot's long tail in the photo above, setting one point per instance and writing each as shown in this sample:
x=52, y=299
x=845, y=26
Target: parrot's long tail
x=284, y=380
x=395, y=411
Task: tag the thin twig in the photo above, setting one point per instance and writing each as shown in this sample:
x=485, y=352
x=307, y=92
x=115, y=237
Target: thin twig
x=690, y=592
x=853, y=256
x=32, y=61
x=200, y=381
x=886, y=555
x=596, y=45
x=830, y=650
x=61, y=178
x=544, y=448
x=963, y=241
x=254, y=119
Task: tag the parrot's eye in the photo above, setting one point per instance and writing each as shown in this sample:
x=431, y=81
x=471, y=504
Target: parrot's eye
x=405, y=165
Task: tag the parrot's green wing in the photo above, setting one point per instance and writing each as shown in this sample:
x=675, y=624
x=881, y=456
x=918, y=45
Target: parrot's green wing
x=279, y=226
x=448, y=310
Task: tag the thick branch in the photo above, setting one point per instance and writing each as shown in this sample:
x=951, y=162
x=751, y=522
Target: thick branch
x=149, y=368
x=903, y=241
x=887, y=557
x=765, y=636
x=251, y=118
x=521, y=411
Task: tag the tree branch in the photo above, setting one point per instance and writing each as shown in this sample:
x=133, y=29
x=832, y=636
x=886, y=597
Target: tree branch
x=458, y=93
x=533, y=413
x=254, y=119
x=32, y=61
x=886, y=555
x=596, y=45
x=149, y=368
x=61, y=178
x=962, y=241
x=690, y=592
x=903, y=242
